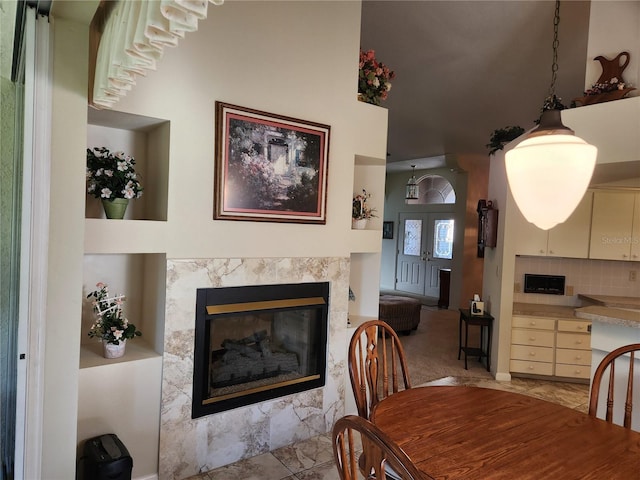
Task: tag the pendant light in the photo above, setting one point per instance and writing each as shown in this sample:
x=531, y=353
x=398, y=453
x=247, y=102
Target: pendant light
x=550, y=170
x=412, y=186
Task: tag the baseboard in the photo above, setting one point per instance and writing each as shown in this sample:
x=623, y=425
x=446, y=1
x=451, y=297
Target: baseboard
x=503, y=377
x=153, y=476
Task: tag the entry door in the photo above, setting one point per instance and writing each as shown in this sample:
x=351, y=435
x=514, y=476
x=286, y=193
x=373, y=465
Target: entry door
x=425, y=246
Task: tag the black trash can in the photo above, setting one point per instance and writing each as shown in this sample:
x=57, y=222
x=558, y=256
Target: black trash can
x=106, y=458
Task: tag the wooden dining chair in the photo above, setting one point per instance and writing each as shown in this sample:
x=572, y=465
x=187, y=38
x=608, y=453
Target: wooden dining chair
x=385, y=458
x=377, y=364
x=609, y=362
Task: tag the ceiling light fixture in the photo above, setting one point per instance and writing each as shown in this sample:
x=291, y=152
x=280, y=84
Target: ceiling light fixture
x=549, y=171
x=412, y=189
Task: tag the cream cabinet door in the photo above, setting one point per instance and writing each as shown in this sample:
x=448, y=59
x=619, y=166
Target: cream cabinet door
x=530, y=240
x=612, y=225
x=571, y=238
x=635, y=231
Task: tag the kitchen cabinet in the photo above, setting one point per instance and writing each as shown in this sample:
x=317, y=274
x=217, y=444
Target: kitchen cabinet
x=532, y=345
x=573, y=349
x=569, y=239
x=615, y=230
x=550, y=347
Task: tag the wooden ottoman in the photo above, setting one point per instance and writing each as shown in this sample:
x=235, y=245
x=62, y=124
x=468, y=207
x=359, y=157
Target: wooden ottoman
x=401, y=313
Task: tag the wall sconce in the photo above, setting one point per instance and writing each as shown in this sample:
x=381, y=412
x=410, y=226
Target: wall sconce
x=412, y=186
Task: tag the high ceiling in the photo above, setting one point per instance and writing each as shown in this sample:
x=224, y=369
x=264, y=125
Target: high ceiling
x=466, y=68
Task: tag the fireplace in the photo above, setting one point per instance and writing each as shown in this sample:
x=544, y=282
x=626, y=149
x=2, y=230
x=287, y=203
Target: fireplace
x=257, y=343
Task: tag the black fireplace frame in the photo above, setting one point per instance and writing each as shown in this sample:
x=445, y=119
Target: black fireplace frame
x=238, y=295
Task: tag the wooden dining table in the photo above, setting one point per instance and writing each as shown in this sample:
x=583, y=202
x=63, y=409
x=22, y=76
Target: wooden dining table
x=456, y=432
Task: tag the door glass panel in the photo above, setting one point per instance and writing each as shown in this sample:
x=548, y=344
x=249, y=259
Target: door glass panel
x=443, y=239
x=412, y=237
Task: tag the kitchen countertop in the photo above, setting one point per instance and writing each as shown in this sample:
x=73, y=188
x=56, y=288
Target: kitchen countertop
x=611, y=301
x=614, y=310
x=540, y=310
x=613, y=316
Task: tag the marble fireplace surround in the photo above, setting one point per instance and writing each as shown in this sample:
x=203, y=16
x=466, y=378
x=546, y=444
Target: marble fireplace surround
x=190, y=446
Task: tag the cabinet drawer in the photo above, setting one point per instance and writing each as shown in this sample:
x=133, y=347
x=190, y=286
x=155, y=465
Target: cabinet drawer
x=575, y=326
x=535, y=368
x=526, y=352
x=573, y=357
x=573, y=371
x=574, y=340
x=538, y=338
x=528, y=321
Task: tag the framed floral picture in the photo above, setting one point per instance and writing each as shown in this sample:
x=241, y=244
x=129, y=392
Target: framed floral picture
x=269, y=167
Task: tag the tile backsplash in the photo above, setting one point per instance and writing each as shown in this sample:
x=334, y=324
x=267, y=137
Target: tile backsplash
x=595, y=277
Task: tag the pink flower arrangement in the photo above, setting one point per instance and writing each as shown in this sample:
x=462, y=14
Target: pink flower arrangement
x=111, y=326
x=374, y=79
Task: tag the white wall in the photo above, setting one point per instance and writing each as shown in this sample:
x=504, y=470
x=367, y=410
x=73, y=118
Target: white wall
x=66, y=239
x=298, y=59
x=614, y=27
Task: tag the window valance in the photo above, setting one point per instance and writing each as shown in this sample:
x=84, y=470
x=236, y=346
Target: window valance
x=129, y=37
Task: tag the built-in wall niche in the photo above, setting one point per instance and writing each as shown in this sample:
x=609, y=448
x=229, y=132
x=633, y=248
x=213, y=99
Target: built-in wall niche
x=369, y=174
x=142, y=279
x=147, y=140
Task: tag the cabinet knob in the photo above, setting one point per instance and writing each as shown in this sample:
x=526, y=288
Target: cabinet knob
x=578, y=357
x=531, y=367
x=579, y=327
x=532, y=339
x=541, y=251
x=532, y=354
x=578, y=342
x=532, y=323
x=551, y=252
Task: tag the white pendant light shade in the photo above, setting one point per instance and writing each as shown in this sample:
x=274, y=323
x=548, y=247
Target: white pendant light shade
x=548, y=175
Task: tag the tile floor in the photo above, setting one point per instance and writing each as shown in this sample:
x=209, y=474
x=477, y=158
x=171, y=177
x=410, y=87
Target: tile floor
x=313, y=459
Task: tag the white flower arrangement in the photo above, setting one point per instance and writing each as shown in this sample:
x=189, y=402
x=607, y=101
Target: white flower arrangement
x=111, y=175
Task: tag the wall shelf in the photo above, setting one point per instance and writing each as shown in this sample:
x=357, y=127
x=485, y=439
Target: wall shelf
x=136, y=349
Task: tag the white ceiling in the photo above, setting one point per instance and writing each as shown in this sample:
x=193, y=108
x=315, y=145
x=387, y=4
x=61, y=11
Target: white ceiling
x=466, y=68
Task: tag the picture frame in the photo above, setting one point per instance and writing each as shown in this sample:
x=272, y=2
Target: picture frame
x=269, y=167
x=387, y=230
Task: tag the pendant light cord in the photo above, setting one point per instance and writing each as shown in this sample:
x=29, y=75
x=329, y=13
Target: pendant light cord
x=556, y=43
x=552, y=102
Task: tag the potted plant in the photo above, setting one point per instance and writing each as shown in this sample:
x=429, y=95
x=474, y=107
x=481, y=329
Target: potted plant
x=360, y=211
x=110, y=325
x=501, y=136
x=374, y=79
x=112, y=178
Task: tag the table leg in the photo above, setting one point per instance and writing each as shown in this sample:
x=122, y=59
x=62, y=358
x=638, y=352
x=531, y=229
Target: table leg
x=466, y=343
x=490, y=331
x=459, y=336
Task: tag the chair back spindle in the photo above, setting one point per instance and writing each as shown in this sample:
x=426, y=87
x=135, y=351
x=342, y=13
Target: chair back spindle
x=383, y=453
x=377, y=365
x=609, y=362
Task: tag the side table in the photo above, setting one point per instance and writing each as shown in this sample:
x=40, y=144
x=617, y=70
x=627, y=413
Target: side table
x=483, y=321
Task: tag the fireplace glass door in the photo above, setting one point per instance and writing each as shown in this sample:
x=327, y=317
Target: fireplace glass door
x=257, y=343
